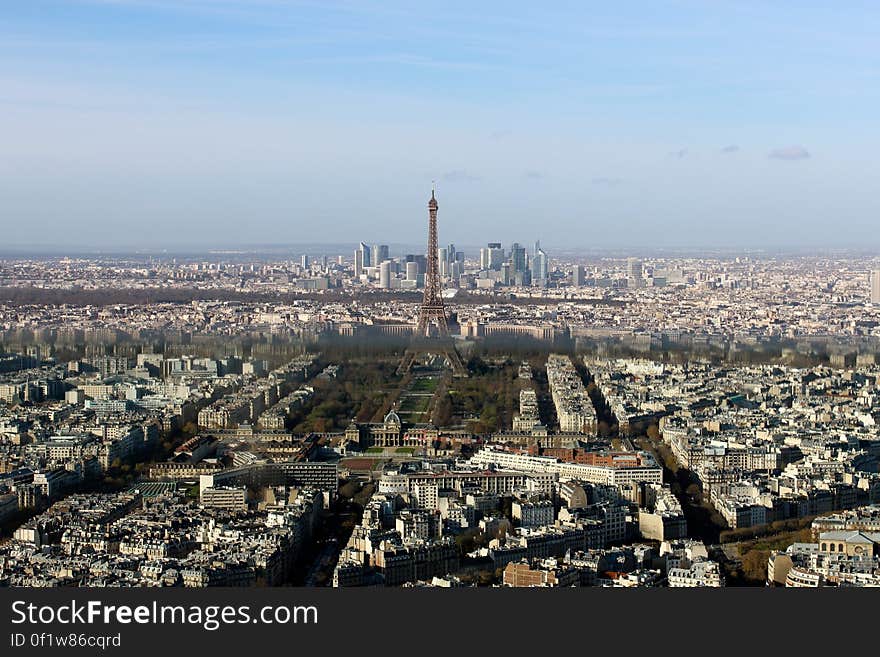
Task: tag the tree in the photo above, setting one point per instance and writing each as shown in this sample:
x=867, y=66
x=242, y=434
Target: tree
x=466, y=541
x=349, y=489
x=754, y=565
x=443, y=412
x=485, y=577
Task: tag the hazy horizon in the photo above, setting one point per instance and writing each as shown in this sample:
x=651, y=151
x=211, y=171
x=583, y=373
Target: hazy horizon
x=279, y=252
x=151, y=124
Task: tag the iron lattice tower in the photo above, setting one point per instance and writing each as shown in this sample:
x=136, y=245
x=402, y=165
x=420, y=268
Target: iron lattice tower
x=432, y=312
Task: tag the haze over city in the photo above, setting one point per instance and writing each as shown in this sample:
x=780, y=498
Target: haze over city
x=211, y=123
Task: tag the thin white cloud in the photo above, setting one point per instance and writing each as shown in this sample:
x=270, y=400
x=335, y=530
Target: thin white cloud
x=789, y=153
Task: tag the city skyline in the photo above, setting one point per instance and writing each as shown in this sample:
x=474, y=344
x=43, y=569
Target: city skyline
x=157, y=124
x=562, y=425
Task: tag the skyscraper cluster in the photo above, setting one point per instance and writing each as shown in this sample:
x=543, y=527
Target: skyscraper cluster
x=514, y=267
x=374, y=263
x=374, y=258
x=451, y=262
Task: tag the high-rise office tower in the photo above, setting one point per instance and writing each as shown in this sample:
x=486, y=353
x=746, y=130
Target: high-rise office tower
x=518, y=257
x=304, y=261
x=634, y=272
x=506, y=273
x=340, y=260
x=540, y=267
x=412, y=271
x=450, y=253
x=496, y=255
x=456, y=269
x=875, y=286
x=365, y=255
x=420, y=260
x=578, y=277
x=485, y=258
x=379, y=254
x=385, y=275
x=491, y=256
x=443, y=261
x=359, y=262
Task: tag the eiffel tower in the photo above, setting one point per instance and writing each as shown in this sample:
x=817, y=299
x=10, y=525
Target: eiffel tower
x=432, y=332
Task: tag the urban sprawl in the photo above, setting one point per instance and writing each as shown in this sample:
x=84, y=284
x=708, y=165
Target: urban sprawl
x=621, y=422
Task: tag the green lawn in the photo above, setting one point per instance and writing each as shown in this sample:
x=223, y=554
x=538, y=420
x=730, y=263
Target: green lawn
x=426, y=384
x=410, y=404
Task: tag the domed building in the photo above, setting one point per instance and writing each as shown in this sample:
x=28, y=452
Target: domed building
x=392, y=420
x=391, y=432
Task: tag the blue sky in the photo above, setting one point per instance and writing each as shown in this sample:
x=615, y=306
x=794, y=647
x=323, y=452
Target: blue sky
x=223, y=122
